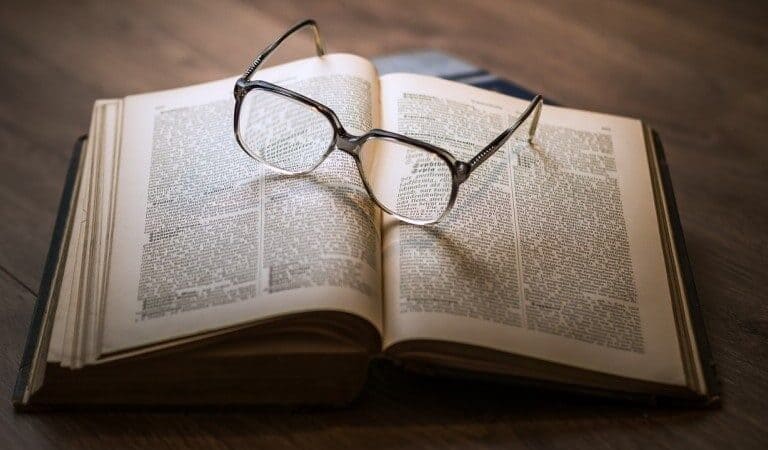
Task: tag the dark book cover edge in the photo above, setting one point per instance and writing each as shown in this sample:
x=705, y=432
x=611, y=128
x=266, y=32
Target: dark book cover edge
x=46, y=283
x=694, y=306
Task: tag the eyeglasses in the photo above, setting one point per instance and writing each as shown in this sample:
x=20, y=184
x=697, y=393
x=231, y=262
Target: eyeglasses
x=292, y=134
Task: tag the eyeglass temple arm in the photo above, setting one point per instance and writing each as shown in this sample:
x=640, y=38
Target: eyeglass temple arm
x=533, y=108
x=319, y=45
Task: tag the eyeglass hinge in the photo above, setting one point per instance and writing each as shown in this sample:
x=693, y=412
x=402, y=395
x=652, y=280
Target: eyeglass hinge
x=239, y=89
x=462, y=171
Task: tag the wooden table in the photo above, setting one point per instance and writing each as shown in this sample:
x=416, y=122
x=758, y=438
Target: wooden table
x=697, y=73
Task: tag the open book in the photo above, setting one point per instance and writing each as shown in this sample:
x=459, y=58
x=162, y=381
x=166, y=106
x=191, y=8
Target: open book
x=189, y=273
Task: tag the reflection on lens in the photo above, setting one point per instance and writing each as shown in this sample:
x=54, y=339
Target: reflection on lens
x=412, y=182
x=283, y=133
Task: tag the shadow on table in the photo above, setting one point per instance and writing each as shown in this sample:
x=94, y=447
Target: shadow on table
x=396, y=408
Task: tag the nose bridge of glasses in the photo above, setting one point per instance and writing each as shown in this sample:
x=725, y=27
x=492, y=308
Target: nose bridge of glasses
x=347, y=143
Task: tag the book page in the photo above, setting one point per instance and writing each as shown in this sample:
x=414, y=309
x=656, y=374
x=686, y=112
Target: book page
x=66, y=300
x=206, y=237
x=552, y=250
x=74, y=338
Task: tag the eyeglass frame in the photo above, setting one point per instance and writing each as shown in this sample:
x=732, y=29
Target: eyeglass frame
x=351, y=144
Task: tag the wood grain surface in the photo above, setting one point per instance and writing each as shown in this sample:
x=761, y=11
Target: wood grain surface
x=696, y=72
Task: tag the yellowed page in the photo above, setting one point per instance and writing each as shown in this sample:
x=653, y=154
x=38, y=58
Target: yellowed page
x=207, y=238
x=66, y=301
x=74, y=332
x=552, y=250
x=105, y=145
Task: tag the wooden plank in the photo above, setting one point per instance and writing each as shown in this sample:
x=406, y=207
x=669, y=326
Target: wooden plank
x=696, y=72
x=99, y=51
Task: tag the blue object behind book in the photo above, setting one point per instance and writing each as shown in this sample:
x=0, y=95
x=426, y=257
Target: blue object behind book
x=438, y=64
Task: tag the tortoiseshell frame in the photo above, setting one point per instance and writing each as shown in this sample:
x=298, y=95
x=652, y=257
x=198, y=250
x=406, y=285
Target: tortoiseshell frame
x=351, y=144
